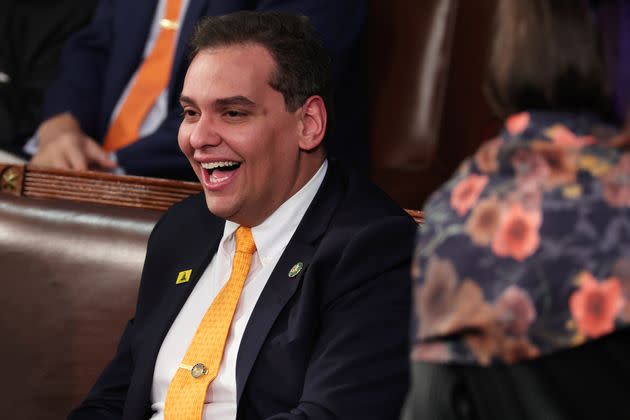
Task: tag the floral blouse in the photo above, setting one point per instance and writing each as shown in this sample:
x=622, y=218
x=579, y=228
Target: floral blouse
x=526, y=250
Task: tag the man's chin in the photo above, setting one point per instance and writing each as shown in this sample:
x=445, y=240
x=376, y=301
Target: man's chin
x=218, y=206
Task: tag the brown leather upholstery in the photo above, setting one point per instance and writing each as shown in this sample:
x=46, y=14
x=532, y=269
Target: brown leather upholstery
x=428, y=112
x=411, y=50
x=70, y=271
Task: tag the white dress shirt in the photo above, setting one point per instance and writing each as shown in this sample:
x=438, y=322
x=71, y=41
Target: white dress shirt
x=271, y=238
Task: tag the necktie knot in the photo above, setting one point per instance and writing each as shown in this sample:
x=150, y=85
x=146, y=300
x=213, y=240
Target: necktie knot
x=245, y=241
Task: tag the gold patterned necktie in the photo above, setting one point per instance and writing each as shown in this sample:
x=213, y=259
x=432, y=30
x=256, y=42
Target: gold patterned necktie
x=187, y=392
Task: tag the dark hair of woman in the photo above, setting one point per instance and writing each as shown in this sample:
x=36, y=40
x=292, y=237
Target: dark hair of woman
x=545, y=55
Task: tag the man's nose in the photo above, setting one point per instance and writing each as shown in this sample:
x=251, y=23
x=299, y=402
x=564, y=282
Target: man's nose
x=204, y=133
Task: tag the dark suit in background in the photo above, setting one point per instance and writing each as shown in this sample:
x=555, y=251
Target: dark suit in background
x=32, y=34
x=99, y=61
x=329, y=343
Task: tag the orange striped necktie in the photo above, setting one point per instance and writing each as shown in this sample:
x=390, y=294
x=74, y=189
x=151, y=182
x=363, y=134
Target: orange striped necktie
x=151, y=80
x=186, y=394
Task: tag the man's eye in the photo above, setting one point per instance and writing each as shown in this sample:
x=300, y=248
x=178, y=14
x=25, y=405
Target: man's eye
x=188, y=113
x=234, y=114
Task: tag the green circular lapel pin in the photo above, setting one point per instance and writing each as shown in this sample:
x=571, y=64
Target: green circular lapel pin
x=295, y=270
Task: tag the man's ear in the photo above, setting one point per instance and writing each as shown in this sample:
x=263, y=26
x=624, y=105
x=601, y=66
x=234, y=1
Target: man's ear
x=313, y=123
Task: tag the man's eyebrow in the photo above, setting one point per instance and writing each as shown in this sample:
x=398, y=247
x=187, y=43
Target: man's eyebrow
x=234, y=100
x=186, y=100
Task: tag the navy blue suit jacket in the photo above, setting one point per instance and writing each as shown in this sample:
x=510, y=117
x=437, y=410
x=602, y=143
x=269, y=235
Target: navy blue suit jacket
x=98, y=62
x=330, y=343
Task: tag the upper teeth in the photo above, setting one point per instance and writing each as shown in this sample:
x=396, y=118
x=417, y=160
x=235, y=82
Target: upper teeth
x=214, y=165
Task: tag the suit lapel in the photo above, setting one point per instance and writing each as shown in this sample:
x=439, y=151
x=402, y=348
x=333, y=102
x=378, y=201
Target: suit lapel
x=199, y=253
x=172, y=303
x=277, y=292
x=280, y=287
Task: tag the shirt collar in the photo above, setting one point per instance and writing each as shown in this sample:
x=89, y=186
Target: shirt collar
x=274, y=233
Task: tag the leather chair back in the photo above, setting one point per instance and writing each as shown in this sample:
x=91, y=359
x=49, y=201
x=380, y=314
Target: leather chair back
x=70, y=272
x=427, y=109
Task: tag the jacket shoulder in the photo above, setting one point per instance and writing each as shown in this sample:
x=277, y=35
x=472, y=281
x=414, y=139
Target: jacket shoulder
x=185, y=218
x=366, y=204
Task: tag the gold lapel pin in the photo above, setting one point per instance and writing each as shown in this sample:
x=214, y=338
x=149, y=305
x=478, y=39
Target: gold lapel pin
x=295, y=270
x=183, y=276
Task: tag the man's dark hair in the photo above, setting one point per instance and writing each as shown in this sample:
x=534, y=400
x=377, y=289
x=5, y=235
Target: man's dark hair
x=303, y=66
x=546, y=55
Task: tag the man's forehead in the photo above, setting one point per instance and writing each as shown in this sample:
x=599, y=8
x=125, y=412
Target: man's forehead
x=235, y=53
x=229, y=71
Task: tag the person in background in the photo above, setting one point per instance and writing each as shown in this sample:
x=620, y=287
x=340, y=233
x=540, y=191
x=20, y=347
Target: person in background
x=613, y=18
x=114, y=106
x=32, y=34
x=279, y=292
x=521, y=271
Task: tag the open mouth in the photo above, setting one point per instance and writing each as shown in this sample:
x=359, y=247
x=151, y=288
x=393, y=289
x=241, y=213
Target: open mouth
x=217, y=172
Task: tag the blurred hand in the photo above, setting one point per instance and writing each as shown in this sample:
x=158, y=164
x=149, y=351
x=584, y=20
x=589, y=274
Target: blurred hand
x=63, y=145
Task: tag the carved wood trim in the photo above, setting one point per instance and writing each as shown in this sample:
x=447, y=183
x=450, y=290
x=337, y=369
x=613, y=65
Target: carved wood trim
x=418, y=216
x=11, y=179
x=102, y=188
x=94, y=187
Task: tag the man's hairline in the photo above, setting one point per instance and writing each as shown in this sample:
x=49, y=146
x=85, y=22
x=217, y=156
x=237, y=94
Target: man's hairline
x=275, y=72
